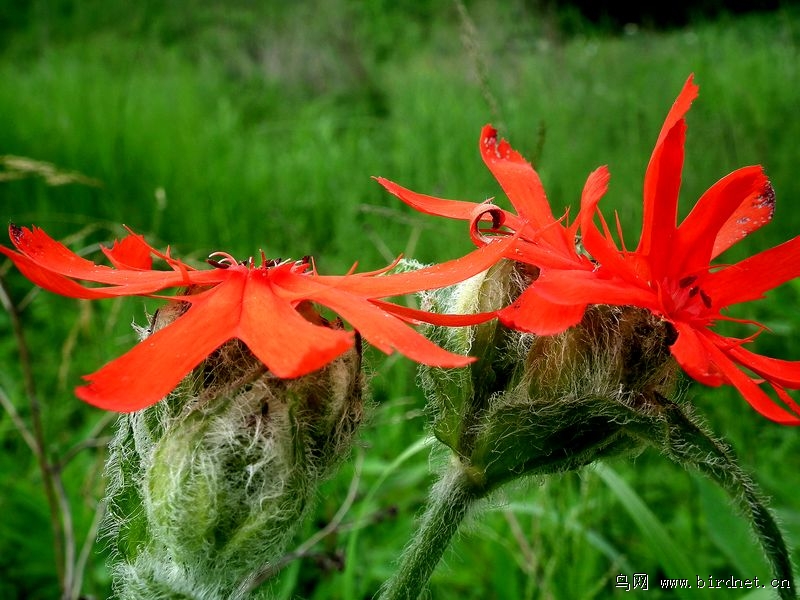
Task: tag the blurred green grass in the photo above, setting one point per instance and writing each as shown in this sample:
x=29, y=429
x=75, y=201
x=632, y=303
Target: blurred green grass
x=241, y=128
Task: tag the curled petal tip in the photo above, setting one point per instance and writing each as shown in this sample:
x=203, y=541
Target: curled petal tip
x=15, y=232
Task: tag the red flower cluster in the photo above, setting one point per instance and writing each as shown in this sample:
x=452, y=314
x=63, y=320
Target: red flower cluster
x=670, y=272
x=264, y=306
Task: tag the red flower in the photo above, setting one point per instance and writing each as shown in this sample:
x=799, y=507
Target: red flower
x=263, y=306
x=542, y=240
x=671, y=272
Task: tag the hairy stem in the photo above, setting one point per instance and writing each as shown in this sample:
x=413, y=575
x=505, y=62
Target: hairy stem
x=451, y=499
x=690, y=446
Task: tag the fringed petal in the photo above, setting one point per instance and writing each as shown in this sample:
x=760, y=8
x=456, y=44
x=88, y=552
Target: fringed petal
x=50, y=281
x=522, y=185
x=662, y=183
x=154, y=367
x=397, y=284
x=587, y=287
x=287, y=343
x=732, y=208
x=49, y=255
x=691, y=354
x=132, y=252
x=416, y=316
x=750, y=389
x=783, y=372
x=663, y=176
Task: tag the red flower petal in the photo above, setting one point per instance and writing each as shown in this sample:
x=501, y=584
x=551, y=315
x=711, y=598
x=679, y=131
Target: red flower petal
x=750, y=278
x=416, y=316
x=601, y=246
x=52, y=256
x=279, y=336
x=782, y=372
x=46, y=252
x=754, y=212
x=585, y=287
x=679, y=108
x=50, y=281
x=546, y=257
x=755, y=396
x=692, y=356
x=428, y=278
x=452, y=209
x=244, y=307
x=130, y=253
x=727, y=212
x=663, y=176
x=662, y=183
x=387, y=332
x=535, y=314
x=523, y=187
x=154, y=367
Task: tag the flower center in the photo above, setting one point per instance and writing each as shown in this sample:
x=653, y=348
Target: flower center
x=223, y=260
x=687, y=297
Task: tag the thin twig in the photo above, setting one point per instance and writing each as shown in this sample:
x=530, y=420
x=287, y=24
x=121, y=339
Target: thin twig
x=529, y=558
x=93, y=439
x=18, y=422
x=90, y=442
x=60, y=516
x=469, y=37
x=86, y=549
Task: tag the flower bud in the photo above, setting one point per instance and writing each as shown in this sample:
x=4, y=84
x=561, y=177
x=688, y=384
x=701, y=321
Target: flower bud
x=585, y=394
x=209, y=486
x=457, y=396
x=540, y=404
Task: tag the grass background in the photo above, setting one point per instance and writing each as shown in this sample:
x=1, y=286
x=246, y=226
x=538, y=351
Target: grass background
x=241, y=127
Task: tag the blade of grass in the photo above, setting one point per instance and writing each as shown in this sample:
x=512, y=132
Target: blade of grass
x=670, y=555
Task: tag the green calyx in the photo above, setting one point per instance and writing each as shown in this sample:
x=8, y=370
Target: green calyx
x=580, y=396
x=458, y=397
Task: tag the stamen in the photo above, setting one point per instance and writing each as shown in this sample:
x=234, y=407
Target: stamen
x=217, y=264
x=225, y=261
x=705, y=298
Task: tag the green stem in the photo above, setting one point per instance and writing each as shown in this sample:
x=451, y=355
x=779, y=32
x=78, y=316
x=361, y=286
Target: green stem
x=451, y=499
x=690, y=446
